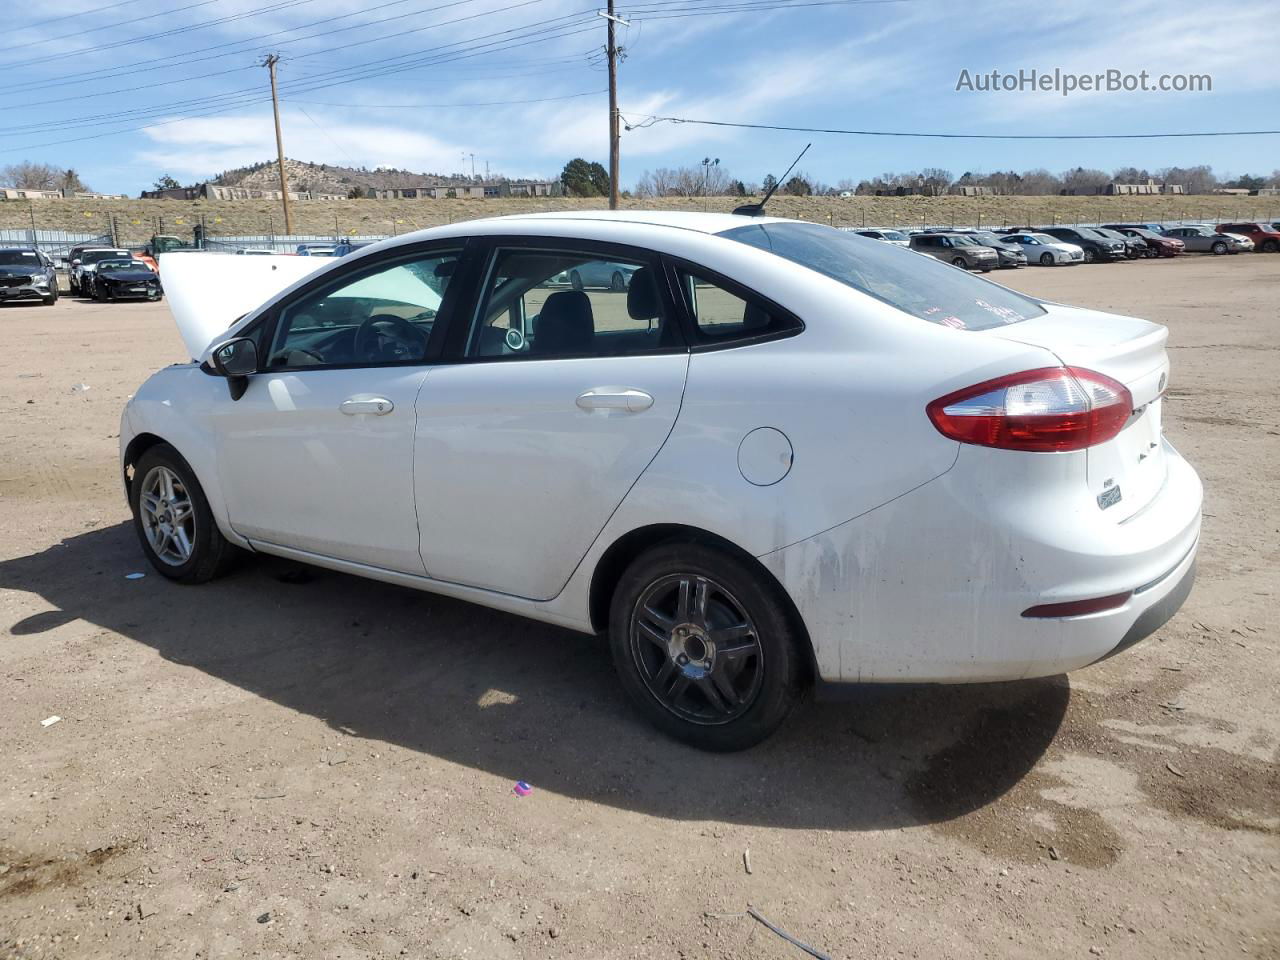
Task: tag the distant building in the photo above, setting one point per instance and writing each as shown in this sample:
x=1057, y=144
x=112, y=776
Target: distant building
x=966, y=190
x=23, y=193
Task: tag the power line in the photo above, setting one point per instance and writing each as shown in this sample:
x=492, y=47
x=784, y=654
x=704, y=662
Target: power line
x=649, y=120
x=343, y=78
x=113, y=26
x=79, y=13
x=442, y=106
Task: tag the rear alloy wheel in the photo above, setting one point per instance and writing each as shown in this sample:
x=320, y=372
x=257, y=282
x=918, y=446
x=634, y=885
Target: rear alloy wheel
x=1218, y=248
x=1046, y=259
x=704, y=647
x=172, y=519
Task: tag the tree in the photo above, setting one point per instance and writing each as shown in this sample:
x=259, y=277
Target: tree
x=31, y=176
x=584, y=179
x=1084, y=182
x=738, y=189
x=70, y=181
x=770, y=181
x=167, y=183
x=1247, y=182
x=798, y=186
x=936, y=181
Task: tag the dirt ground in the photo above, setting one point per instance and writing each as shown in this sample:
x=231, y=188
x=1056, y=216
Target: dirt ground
x=294, y=763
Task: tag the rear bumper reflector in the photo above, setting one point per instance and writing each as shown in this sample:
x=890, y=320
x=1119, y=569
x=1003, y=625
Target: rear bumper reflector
x=1078, y=608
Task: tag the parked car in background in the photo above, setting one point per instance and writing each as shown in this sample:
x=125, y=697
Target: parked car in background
x=671, y=468
x=345, y=247
x=81, y=263
x=1047, y=251
x=255, y=252
x=124, y=279
x=1265, y=237
x=1134, y=247
x=27, y=274
x=598, y=274
x=1155, y=228
x=896, y=237
x=316, y=250
x=956, y=249
x=1201, y=238
x=1097, y=248
x=1157, y=244
x=1009, y=255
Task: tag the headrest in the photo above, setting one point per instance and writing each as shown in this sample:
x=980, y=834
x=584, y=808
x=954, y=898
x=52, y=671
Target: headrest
x=642, y=296
x=565, y=325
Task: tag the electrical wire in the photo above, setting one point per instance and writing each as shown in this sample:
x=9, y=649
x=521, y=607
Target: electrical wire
x=650, y=120
x=443, y=106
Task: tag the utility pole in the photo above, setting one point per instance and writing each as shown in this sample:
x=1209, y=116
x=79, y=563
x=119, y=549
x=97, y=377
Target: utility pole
x=270, y=62
x=611, y=49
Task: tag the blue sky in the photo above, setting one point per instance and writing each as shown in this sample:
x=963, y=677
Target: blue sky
x=200, y=100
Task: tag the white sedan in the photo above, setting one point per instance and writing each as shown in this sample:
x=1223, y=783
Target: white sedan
x=1045, y=250
x=788, y=455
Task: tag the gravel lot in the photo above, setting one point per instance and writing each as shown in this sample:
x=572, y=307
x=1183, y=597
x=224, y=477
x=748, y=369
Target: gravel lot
x=296, y=763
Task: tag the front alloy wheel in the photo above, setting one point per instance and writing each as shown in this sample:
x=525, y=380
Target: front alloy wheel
x=705, y=645
x=167, y=515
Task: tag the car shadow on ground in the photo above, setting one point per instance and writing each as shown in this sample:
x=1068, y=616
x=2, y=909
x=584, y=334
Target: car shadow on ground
x=527, y=701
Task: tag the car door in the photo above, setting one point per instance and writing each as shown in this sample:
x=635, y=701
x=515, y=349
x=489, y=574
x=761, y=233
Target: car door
x=553, y=403
x=317, y=455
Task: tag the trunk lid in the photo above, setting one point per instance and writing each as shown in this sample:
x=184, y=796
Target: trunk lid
x=207, y=292
x=1125, y=473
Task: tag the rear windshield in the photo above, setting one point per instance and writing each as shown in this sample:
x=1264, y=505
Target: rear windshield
x=919, y=285
x=93, y=256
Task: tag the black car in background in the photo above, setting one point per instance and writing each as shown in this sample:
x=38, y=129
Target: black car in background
x=27, y=274
x=1097, y=247
x=124, y=280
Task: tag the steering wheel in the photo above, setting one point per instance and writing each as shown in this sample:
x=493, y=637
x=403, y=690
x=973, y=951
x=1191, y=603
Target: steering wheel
x=385, y=336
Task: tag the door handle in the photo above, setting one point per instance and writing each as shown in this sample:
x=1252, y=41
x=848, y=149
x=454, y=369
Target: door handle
x=615, y=398
x=378, y=406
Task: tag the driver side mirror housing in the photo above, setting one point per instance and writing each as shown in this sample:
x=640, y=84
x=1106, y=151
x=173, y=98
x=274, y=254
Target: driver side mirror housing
x=236, y=360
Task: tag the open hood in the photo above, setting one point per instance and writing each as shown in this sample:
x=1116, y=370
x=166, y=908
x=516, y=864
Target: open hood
x=208, y=292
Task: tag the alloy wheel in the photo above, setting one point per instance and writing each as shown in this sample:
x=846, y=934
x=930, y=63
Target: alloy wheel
x=697, y=650
x=168, y=517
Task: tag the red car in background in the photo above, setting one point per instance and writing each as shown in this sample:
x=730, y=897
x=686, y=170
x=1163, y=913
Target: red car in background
x=1158, y=245
x=1265, y=237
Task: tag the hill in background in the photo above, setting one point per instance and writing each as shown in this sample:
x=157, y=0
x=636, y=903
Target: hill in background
x=331, y=179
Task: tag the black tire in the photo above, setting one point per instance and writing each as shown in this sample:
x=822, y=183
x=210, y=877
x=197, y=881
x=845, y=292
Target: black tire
x=985, y=269
x=211, y=553
x=575, y=279
x=617, y=283
x=767, y=681
x=959, y=262
x=1046, y=259
x=1269, y=246
x=1219, y=247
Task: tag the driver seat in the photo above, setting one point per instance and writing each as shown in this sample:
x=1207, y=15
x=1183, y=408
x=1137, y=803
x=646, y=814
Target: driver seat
x=566, y=325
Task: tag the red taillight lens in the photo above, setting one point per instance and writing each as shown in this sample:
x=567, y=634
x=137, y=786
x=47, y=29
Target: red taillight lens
x=1053, y=409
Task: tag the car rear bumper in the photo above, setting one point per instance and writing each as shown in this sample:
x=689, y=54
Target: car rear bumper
x=932, y=586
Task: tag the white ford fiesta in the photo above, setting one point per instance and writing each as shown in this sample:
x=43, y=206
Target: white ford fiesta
x=780, y=454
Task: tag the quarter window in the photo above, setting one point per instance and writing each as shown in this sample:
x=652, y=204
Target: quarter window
x=547, y=304
x=723, y=315
x=383, y=315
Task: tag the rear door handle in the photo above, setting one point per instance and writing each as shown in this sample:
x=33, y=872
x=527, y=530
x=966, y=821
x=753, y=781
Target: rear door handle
x=378, y=406
x=615, y=398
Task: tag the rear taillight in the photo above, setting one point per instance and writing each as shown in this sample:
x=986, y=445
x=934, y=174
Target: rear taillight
x=1053, y=409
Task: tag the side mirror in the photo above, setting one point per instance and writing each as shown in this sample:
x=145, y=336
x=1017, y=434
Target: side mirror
x=75, y=263
x=235, y=360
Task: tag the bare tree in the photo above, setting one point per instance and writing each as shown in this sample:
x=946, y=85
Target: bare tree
x=709, y=180
x=1084, y=181
x=31, y=176
x=935, y=180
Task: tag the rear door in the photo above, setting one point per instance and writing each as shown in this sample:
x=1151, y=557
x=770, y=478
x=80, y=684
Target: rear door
x=553, y=402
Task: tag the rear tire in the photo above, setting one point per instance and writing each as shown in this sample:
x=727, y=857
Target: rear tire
x=705, y=647
x=165, y=496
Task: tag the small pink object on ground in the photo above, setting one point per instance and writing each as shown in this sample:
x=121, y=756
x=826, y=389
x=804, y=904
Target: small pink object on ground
x=522, y=789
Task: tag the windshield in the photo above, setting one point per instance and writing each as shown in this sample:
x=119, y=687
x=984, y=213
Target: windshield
x=894, y=235
x=920, y=286
x=19, y=258
x=94, y=256
x=107, y=266
x=990, y=239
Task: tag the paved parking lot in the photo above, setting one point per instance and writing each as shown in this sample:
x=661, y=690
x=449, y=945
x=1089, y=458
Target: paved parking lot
x=295, y=762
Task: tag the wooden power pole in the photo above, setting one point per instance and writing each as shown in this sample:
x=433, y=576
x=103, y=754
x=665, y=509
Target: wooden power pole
x=611, y=49
x=270, y=62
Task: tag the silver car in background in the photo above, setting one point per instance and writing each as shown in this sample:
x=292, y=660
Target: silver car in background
x=1045, y=250
x=1198, y=238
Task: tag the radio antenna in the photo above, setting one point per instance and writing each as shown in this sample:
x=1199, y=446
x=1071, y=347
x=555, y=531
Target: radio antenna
x=757, y=209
